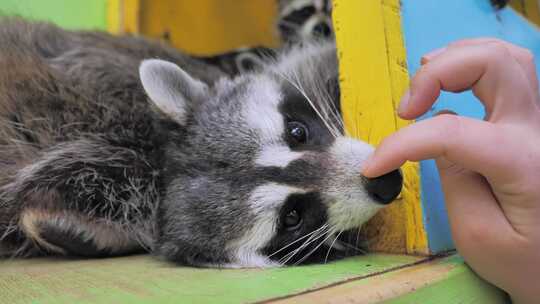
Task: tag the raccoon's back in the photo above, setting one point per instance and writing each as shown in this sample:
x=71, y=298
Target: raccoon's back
x=58, y=85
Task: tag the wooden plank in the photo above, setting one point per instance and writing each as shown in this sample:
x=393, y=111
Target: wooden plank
x=528, y=8
x=209, y=27
x=131, y=19
x=142, y=279
x=373, y=75
x=114, y=16
x=440, y=281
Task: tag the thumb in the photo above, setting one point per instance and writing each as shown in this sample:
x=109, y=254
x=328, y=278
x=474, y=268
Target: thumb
x=476, y=220
x=470, y=202
x=469, y=198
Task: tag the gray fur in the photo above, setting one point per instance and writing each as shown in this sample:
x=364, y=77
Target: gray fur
x=301, y=20
x=72, y=102
x=203, y=173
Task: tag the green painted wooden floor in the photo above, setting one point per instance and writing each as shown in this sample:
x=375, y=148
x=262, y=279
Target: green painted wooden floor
x=142, y=279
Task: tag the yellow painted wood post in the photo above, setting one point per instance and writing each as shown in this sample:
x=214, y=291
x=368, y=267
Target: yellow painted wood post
x=123, y=16
x=373, y=77
x=210, y=27
x=528, y=8
x=114, y=15
x=202, y=27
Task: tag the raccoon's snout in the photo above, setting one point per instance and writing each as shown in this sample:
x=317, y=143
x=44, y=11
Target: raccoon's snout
x=384, y=189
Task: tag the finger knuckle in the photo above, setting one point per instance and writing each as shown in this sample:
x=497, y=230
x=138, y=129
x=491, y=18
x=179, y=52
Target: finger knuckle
x=426, y=68
x=448, y=124
x=427, y=74
x=417, y=80
x=497, y=49
x=527, y=56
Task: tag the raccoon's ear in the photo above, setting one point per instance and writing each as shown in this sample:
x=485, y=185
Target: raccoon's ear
x=170, y=88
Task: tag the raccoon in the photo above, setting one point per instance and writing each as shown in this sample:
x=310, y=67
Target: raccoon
x=115, y=145
x=499, y=4
x=301, y=20
x=297, y=21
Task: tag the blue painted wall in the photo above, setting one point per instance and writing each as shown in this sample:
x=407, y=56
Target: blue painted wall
x=431, y=24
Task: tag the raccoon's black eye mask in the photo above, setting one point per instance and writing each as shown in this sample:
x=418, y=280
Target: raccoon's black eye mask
x=499, y=3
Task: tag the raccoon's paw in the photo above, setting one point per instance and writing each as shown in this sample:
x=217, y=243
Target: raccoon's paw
x=67, y=233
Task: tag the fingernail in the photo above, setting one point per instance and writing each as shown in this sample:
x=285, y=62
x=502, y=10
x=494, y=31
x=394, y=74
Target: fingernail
x=429, y=56
x=404, y=102
x=445, y=111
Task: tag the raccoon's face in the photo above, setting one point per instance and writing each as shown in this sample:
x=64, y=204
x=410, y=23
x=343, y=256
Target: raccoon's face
x=258, y=172
x=301, y=20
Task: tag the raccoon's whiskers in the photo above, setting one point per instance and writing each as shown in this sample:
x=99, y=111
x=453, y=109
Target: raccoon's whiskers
x=329, y=114
x=306, y=243
x=324, y=105
x=290, y=255
x=357, y=242
x=297, y=240
x=331, y=246
x=297, y=87
x=332, y=109
x=314, y=237
x=353, y=247
x=328, y=236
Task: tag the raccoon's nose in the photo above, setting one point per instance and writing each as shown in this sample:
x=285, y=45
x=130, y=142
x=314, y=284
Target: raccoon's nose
x=384, y=189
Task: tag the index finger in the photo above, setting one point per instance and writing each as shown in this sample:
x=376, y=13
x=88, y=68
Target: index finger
x=477, y=145
x=523, y=56
x=493, y=74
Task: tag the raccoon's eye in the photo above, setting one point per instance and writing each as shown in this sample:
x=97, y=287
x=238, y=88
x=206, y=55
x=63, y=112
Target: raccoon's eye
x=297, y=131
x=292, y=220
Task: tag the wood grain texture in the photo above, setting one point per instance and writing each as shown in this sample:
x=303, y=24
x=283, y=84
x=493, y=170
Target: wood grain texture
x=123, y=16
x=441, y=281
x=209, y=27
x=142, y=279
x=131, y=19
x=373, y=77
x=114, y=16
x=528, y=8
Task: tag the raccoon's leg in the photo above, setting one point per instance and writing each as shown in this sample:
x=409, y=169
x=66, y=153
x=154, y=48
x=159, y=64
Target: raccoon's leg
x=85, y=198
x=70, y=233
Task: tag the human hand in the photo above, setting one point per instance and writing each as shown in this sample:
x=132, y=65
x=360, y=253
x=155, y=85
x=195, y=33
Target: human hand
x=490, y=170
